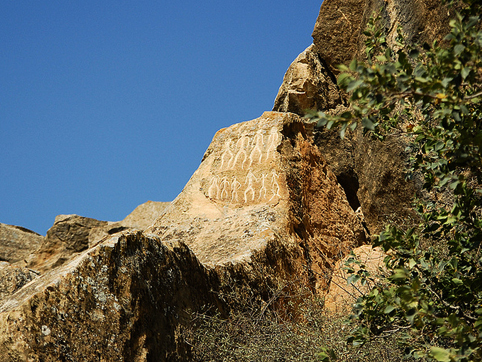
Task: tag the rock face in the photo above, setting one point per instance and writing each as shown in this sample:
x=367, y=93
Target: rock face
x=338, y=38
x=371, y=172
x=263, y=184
x=307, y=85
x=72, y=234
x=341, y=296
x=124, y=299
x=261, y=213
x=143, y=215
x=17, y=243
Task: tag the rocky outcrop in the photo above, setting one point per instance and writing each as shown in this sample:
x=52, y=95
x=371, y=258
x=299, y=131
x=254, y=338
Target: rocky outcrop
x=125, y=299
x=338, y=38
x=263, y=186
x=261, y=213
x=307, y=85
x=142, y=217
x=12, y=278
x=17, y=243
x=72, y=234
x=371, y=172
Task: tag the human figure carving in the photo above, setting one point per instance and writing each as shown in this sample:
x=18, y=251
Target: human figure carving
x=213, y=191
x=263, y=191
x=241, y=147
x=273, y=140
x=224, y=188
x=235, y=186
x=258, y=148
x=275, y=185
x=250, y=179
x=227, y=156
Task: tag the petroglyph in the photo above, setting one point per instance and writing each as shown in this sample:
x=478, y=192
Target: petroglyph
x=227, y=154
x=263, y=190
x=241, y=147
x=235, y=186
x=213, y=191
x=275, y=185
x=242, y=173
x=250, y=179
x=224, y=188
x=273, y=140
x=257, y=151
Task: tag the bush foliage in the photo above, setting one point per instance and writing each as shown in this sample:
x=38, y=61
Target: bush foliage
x=431, y=94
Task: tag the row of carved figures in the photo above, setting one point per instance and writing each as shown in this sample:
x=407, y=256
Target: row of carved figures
x=249, y=150
x=265, y=187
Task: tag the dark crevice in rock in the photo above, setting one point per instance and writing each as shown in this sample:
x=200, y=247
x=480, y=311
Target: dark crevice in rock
x=349, y=182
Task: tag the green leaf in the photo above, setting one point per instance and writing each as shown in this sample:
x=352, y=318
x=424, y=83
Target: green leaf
x=388, y=309
x=352, y=279
x=354, y=84
x=457, y=281
x=343, y=77
x=354, y=64
x=458, y=49
x=368, y=124
x=399, y=274
x=465, y=72
x=440, y=354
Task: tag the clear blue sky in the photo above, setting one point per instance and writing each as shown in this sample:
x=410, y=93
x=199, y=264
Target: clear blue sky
x=107, y=104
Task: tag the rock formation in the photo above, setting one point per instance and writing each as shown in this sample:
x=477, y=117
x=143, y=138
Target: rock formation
x=341, y=295
x=270, y=208
x=263, y=183
x=17, y=243
x=371, y=172
x=308, y=84
x=262, y=211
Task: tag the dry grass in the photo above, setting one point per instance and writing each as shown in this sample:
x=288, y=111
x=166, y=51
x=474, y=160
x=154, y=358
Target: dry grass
x=261, y=334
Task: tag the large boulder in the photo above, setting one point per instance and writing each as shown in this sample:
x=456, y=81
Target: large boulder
x=307, y=84
x=124, y=299
x=72, y=234
x=264, y=188
x=17, y=243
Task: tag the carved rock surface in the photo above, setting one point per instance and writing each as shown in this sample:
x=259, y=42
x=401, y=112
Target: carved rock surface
x=261, y=212
x=16, y=243
x=263, y=183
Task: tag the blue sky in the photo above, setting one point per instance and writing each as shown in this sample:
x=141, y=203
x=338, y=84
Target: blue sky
x=107, y=104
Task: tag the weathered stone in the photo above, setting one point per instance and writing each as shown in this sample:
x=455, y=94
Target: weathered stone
x=263, y=183
x=261, y=213
x=341, y=296
x=338, y=30
x=373, y=176
x=17, y=243
x=144, y=215
x=72, y=234
x=12, y=278
x=69, y=235
x=307, y=85
x=125, y=299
